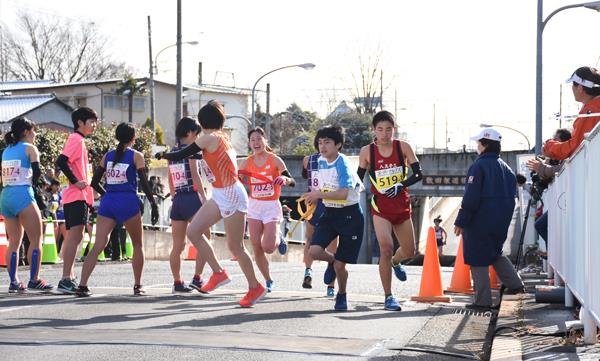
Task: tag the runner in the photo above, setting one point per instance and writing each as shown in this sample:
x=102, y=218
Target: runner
x=188, y=195
x=229, y=201
x=339, y=190
x=120, y=205
x=309, y=172
x=21, y=170
x=264, y=209
x=386, y=162
x=77, y=195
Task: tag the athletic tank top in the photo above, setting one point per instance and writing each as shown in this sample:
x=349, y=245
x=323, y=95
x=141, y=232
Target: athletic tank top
x=220, y=166
x=386, y=172
x=120, y=177
x=312, y=168
x=259, y=189
x=181, y=173
x=16, y=166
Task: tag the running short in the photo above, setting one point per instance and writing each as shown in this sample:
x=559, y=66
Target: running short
x=231, y=199
x=185, y=205
x=119, y=206
x=265, y=211
x=76, y=214
x=397, y=215
x=14, y=200
x=318, y=213
x=347, y=223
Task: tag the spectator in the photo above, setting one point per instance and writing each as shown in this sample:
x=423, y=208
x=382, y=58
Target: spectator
x=440, y=235
x=484, y=217
x=586, y=90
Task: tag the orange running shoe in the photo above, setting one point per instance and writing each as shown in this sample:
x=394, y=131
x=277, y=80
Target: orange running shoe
x=254, y=295
x=217, y=279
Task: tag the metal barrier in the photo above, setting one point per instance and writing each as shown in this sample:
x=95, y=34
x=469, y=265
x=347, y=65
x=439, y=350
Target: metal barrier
x=573, y=203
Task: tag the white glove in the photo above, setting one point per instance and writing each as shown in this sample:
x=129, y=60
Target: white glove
x=393, y=191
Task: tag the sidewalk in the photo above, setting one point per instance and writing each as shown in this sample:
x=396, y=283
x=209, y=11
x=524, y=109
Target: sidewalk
x=526, y=330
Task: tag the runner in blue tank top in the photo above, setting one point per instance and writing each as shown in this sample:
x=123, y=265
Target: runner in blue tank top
x=188, y=195
x=21, y=170
x=120, y=204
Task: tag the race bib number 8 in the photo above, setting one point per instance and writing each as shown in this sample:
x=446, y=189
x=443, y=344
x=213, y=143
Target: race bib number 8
x=11, y=172
x=117, y=173
x=178, y=174
x=389, y=177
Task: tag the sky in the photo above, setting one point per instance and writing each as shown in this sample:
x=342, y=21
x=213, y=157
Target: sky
x=473, y=61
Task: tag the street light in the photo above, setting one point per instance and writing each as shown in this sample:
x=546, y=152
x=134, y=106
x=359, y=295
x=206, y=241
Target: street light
x=305, y=66
x=483, y=125
x=541, y=24
x=154, y=70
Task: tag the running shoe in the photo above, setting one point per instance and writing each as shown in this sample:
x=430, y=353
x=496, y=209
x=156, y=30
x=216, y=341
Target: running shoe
x=180, y=287
x=217, y=279
x=138, y=290
x=269, y=285
x=330, y=291
x=254, y=295
x=17, y=287
x=283, y=246
x=307, y=283
x=391, y=304
x=83, y=291
x=39, y=285
x=399, y=271
x=197, y=284
x=329, y=275
x=340, y=302
x=67, y=286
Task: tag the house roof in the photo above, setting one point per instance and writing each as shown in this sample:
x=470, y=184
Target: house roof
x=12, y=106
x=23, y=84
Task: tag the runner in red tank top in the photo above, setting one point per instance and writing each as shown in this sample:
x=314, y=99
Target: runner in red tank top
x=386, y=162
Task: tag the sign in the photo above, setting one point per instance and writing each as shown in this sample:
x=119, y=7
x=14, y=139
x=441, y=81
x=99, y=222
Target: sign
x=443, y=180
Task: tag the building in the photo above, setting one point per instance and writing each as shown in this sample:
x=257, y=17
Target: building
x=45, y=110
x=102, y=95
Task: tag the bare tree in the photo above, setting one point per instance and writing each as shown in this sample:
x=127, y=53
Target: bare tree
x=368, y=87
x=57, y=49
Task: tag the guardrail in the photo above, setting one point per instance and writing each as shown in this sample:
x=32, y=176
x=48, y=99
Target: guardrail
x=573, y=204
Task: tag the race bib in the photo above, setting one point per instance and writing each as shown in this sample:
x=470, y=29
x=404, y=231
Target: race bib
x=11, y=172
x=264, y=190
x=314, y=180
x=334, y=203
x=116, y=174
x=178, y=175
x=386, y=178
x=210, y=177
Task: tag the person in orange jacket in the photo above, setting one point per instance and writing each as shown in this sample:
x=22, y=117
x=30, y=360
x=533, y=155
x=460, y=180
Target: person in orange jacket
x=586, y=90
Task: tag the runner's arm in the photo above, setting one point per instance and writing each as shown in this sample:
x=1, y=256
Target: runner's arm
x=186, y=152
x=62, y=162
x=98, y=173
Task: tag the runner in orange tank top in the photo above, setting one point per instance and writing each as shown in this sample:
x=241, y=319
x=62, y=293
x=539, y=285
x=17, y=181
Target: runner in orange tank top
x=229, y=201
x=264, y=211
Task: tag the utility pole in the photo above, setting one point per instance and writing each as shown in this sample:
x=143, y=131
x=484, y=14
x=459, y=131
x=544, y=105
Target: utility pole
x=151, y=74
x=179, y=87
x=446, y=132
x=381, y=90
x=434, y=126
x=560, y=108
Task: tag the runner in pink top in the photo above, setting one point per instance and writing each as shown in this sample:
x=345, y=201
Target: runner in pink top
x=78, y=195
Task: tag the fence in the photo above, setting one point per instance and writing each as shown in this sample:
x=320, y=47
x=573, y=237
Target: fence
x=573, y=203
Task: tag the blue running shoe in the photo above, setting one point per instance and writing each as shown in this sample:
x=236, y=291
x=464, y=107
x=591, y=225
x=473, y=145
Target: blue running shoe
x=391, y=304
x=307, y=283
x=39, y=285
x=283, y=246
x=340, y=302
x=329, y=275
x=197, y=284
x=180, y=287
x=399, y=271
x=330, y=291
x=269, y=285
x=16, y=287
x=67, y=286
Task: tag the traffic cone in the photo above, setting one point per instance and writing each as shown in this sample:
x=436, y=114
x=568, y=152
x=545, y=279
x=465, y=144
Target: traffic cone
x=3, y=243
x=49, y=253
x=494, y=279
x=191, y=256
x=461, y=275
x=128, y=247
x=431, y=278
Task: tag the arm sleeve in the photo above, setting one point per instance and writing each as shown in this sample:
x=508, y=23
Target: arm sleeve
x=415, y=177
x=98, y=173
x=37, y=173
x=146, y=186
x=62, y=162
x=361, y=172
x=286, y=173
x=471, y=198
x=186, y=152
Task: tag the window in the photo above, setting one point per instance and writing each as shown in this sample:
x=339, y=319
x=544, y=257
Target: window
x=112, y=101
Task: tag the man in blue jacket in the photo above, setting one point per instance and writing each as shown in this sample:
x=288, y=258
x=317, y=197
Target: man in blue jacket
x=484, y=217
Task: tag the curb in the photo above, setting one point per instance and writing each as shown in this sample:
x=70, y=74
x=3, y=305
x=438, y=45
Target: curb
x=506, y=347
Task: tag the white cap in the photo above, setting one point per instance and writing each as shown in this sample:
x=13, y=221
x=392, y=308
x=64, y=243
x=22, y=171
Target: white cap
x=488, y=133
x=579, y=80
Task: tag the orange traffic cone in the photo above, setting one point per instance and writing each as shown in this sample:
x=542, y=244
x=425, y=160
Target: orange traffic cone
x=3, y=243
x=191, y=256
x=494, y=279
x=461, y=276
x=431, y=278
